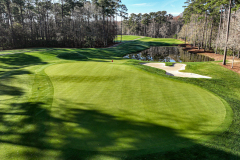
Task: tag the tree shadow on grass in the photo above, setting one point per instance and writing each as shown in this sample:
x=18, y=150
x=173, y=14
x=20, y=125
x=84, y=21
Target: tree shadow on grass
x=199, y=152
x=6, y=88
x=10, y=90
x=78, y=131
x=94, y=53
x=12, y=66
x=21, y=59
x=102, y=53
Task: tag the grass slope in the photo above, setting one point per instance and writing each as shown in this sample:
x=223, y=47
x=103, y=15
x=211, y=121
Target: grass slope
x=95, y=109
x=127, y=37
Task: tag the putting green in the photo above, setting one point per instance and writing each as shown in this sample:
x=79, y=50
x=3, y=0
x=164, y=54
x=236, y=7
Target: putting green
x=114, y=107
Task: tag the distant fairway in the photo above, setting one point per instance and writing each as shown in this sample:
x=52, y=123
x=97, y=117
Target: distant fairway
x=127, y=37
x=115, y=107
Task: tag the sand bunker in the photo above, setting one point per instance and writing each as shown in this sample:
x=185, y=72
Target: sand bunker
x=174, y=70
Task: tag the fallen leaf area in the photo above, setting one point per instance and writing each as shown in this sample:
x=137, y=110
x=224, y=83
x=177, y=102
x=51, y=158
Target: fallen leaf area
x=216, y=57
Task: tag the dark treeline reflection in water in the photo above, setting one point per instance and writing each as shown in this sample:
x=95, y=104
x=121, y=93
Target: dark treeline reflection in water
x=168, y=54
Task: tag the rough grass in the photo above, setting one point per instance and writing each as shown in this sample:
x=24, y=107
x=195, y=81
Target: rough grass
x=96, y=109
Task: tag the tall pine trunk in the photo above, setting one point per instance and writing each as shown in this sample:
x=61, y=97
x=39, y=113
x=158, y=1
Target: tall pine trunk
x=196, y=24
x=210, y=38
x=219, y=29
x=205, y=24
x=11, y=22
x=202, y=34
x=227, y=34
x=121, y=29
x=103, y=24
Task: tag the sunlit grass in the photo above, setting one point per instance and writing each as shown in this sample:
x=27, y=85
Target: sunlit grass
x=126, y=37
x=161, y=41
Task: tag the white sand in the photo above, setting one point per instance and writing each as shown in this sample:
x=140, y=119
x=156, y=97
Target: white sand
x=174, y=70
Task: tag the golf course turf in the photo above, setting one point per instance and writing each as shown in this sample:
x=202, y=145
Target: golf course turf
x=127, y=38
x=98, y=109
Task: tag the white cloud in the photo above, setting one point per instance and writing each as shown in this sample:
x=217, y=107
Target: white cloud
x=143, y=4
x=168, y=3
x=140, y=4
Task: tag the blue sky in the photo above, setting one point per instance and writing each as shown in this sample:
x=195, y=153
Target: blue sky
x=146, y=6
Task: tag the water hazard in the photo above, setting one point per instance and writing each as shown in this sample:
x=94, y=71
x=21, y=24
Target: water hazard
x=168, y=54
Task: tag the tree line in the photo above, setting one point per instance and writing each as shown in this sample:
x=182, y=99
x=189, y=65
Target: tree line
x=65, y=23
x=212, y=24
x=155, y=24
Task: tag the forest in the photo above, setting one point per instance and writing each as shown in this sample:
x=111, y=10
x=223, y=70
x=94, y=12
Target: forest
x=213, y=25
x=64, y=23
x=155, y=24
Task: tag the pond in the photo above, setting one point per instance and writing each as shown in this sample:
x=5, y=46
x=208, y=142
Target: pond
x=168, y=54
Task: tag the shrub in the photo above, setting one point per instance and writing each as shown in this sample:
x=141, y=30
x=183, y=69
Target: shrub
x=72, y=56
x=169, y=63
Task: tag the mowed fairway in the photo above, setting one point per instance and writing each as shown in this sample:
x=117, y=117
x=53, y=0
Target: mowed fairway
x=115, y=107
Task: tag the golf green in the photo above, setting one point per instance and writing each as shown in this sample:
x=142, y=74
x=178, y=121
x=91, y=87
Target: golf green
x=106, y=106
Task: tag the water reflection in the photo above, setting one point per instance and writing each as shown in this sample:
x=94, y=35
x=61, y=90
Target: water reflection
x=168, y=54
